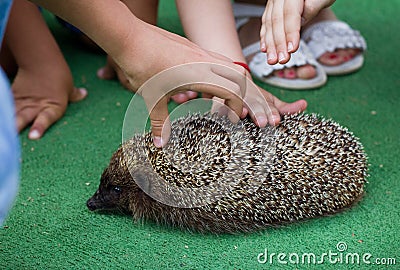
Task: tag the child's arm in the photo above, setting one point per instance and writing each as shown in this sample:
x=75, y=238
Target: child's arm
x=143, y=50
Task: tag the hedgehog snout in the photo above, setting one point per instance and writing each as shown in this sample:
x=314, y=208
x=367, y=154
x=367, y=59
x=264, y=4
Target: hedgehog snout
x=92, y=203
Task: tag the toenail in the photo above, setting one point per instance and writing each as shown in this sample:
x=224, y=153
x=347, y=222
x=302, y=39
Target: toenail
x=100, y=72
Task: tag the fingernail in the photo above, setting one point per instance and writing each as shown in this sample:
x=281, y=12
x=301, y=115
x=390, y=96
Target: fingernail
x=263, y=47
x=271, y=56
x=34, y=135
x=290, y=47
x=281, y=56
x=158, y=142
x=275, y=119
x=262, y=121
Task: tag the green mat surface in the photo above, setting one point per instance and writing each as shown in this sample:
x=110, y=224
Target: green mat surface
x=51, y=228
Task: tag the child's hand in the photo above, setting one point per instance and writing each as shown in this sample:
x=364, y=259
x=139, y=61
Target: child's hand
x=41, y=103
x=263, y=107
x=281, y=24
x=143, y=51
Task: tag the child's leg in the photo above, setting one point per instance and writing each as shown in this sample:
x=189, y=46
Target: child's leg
x=43, y=84
x=210, y=25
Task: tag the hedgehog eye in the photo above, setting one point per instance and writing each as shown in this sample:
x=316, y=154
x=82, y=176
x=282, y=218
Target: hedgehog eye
x=117, y=189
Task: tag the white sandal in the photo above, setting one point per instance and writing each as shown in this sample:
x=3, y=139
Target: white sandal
x=263, y=71
x=327, y=36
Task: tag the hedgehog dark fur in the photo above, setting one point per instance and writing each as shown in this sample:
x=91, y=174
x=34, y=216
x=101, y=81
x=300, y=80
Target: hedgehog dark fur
x=303, y=168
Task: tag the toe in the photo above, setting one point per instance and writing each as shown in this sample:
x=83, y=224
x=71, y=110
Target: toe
x=306, y=72
x=77, y=94
x=279, y=73
x=348, y=54
x=331, y=59
x=290, y=73
x=106, y=73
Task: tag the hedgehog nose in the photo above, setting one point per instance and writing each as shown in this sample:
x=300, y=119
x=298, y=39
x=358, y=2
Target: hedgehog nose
x=91, y=204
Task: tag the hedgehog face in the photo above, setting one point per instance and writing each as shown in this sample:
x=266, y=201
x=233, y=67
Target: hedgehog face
x=117, y=188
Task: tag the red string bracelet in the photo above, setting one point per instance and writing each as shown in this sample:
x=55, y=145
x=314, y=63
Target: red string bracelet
x=243, y=65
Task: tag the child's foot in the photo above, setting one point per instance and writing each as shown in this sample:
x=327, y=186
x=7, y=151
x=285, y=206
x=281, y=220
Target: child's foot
x=338, y=56
x=112, y=71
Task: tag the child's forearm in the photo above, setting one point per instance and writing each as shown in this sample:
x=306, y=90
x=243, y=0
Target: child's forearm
x=210, y=24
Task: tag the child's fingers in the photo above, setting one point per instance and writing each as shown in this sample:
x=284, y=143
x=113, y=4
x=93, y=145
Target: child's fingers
x=292, y=20
x=263, y=32
x=44, y=119
x=278, y=31
x=290, y=108
x=24, y=116
x=272, y=56
x=160, y=124
x=225, y=81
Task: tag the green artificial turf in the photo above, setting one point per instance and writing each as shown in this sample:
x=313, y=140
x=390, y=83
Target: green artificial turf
x=50, y=227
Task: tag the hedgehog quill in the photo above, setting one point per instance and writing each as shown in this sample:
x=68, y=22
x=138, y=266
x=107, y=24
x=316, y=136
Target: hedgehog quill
x=214, y=176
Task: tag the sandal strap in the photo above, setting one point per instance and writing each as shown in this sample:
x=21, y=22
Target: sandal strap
x=243, y=13
x=241, y=21
x=327, y=36
x=251, y=49
x=301, y=57
x=247, y=10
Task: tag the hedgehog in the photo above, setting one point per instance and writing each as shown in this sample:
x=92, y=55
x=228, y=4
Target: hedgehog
x=218, y=177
